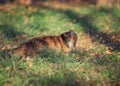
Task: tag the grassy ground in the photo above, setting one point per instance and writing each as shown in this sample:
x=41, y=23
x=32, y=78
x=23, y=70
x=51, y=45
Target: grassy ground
x=96, y=62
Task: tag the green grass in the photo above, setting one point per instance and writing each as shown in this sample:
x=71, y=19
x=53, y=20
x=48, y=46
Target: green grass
x=78, y=68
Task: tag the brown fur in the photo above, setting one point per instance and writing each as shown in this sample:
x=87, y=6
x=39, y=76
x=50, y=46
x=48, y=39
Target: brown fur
x=64, y=42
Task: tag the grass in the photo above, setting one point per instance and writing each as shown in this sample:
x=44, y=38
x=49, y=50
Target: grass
x=91, y=64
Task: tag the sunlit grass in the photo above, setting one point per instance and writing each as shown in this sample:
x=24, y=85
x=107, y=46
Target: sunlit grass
x=83, y=67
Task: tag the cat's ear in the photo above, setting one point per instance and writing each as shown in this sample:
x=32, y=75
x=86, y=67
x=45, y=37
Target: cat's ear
x=64, y=36
x=72, y=32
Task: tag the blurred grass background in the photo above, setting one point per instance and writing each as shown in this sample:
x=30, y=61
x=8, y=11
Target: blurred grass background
x=96, y=61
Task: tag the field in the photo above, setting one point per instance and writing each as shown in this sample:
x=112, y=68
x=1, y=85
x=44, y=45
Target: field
x=95, y=62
